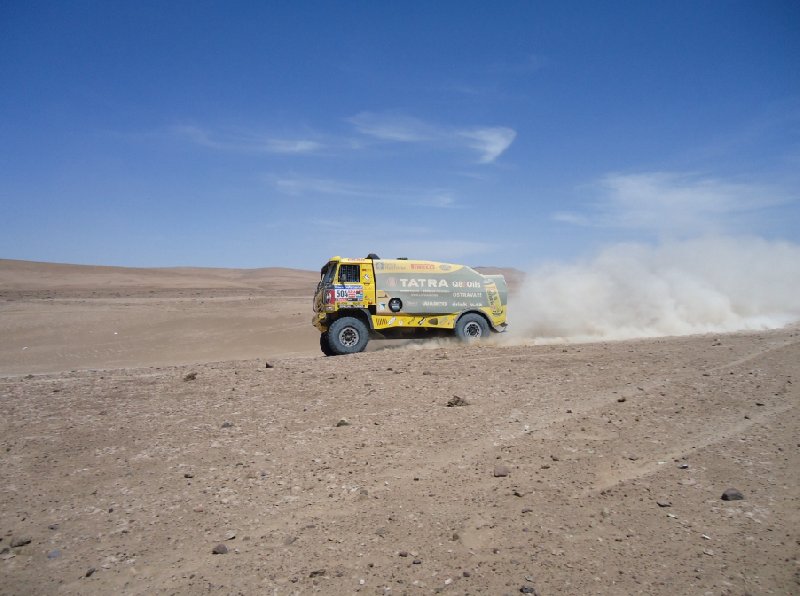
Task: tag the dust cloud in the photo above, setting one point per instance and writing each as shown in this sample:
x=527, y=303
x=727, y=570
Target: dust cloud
x=632, y=291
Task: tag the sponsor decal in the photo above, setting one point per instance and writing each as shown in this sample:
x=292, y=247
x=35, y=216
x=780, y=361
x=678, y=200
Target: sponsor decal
x=467, y=284
x=389, y=266
x=427, y=266
x=349, y=293
x=445, y=267
x=366, y=277
x=382, y=306
x=423, y=283
x=435, y=303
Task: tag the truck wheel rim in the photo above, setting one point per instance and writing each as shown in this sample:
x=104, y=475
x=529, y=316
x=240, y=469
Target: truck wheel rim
x=348, y=337
x=472, y=329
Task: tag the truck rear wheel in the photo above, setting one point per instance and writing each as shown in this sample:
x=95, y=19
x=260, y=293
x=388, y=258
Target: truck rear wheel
x=471, y=327
x=347, y=335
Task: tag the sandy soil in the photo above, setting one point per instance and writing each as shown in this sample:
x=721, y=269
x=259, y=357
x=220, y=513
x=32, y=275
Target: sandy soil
x=571, y=469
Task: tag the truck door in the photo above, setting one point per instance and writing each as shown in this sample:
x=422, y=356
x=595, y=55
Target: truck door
x=349, y=286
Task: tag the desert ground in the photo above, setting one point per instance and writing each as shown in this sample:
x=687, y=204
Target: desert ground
x=177, y=431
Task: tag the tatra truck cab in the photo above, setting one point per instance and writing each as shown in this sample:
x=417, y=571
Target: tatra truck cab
x=359, y=299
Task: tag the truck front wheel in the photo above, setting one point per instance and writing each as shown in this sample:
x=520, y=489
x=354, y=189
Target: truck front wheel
x=471, y=327
x=347, y=335
x=324, y=345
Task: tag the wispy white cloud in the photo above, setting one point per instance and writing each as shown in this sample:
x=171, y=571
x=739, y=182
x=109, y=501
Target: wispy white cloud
x=671, y=202
x=390, y=127
x=245, y=142
x=305, y=185
x=488, y=141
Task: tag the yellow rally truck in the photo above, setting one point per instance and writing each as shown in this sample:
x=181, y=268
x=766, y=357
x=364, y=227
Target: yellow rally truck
x=359, y=299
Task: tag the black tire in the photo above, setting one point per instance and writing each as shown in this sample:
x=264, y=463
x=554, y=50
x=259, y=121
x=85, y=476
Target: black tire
x=323, y=344
x=471, y=327
x=347, y=335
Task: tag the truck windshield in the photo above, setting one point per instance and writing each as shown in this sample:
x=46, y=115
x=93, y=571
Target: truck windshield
x=328, y=272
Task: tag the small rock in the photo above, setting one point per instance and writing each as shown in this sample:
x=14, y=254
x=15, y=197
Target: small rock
x=188, y=475
x=501, y=471
x=683, y=467
x=227, y=424
x=220, y=549
x=554, y=458
x=268, y=365
x=189, y=377
x=54, y=554
x=663, y=503
x=342, y=422
x=633, y=457
x=622, y=399
x=731, y=494
x=198, y=509
x=403, y=553
x=527, y=510
x=569, y=411
x=52, y=527
x=16, y=542
x=90, y=572
x=230, y=535
x=466, y=574
x=417, y=562
x=528, y=590
x=456, y=401
x=317, y=573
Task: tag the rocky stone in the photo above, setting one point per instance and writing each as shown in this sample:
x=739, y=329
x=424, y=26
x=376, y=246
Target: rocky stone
x=456, y=402
x=188, y=475
x=90, y=572
x=317, y=573
x=268, y=365
x=220, y=549
x=21, y=541
x=501, y=471
x=730, y=494
x=227, y=424
x=53, y=554
x=528, y=590
x=417, y=562
x=52, y=527
x=189, y=377
x=663, y=503
x=198, y=509
x=230, y=535
x=403, y=553
x=342, y=422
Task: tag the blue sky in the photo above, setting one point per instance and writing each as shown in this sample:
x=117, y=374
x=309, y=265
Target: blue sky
x=251, y=134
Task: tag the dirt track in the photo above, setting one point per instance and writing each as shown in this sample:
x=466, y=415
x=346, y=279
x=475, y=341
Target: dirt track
x=351, y=474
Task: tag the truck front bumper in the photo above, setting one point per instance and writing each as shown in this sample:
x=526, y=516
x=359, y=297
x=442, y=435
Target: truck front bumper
x=320, y=321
